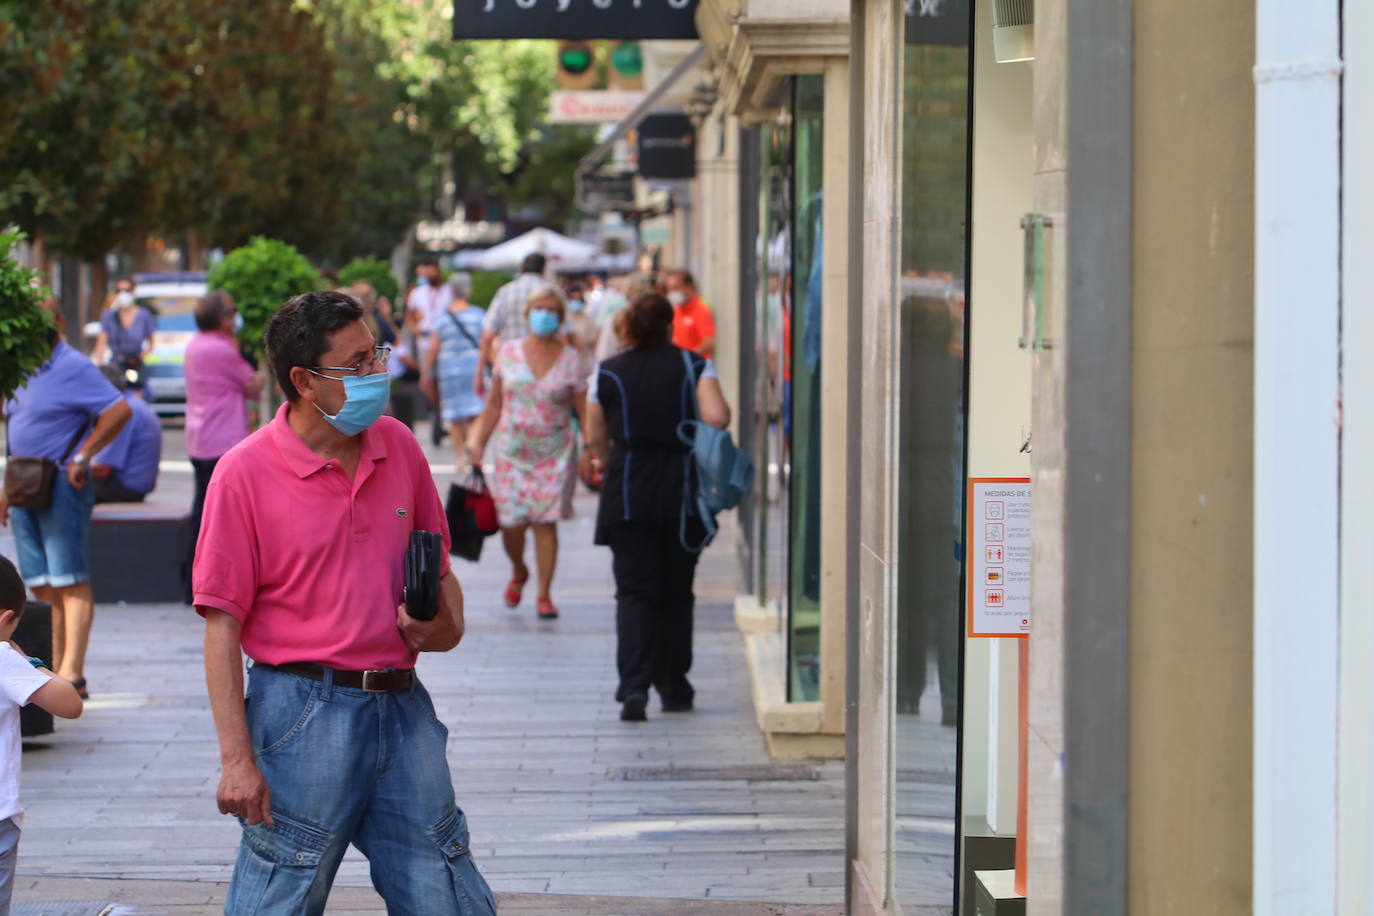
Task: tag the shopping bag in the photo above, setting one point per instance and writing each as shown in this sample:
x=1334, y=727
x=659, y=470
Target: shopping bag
x=471, y=513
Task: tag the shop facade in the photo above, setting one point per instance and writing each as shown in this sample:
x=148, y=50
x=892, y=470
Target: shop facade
x=939, y=268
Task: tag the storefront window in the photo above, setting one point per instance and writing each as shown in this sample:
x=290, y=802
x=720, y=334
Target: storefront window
x=934, y=254
x=804, y=391
x=788, y=328
x=774, y=253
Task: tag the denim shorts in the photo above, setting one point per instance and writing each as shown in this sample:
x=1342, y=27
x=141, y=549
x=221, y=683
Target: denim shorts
x=348, y=767
x=54, y=543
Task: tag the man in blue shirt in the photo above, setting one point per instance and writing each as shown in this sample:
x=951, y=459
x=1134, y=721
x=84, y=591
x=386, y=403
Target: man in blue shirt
x=65, y=412
x=125, y=471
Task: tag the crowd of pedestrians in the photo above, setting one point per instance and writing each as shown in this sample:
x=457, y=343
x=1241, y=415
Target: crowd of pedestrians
x=298, y=533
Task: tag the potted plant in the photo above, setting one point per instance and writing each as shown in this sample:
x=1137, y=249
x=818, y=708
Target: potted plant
x=25, y=345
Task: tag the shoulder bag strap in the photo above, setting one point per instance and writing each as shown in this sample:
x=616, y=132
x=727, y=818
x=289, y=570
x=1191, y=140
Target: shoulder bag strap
x=462, y=330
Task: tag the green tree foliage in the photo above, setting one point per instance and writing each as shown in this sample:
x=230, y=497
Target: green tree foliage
x=24, y=324
x=319, y=122
x=374, y=271
x=77, y=167
x=260, y=276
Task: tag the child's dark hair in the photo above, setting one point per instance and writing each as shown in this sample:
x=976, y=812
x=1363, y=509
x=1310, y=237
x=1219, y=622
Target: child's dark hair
x=13, y=595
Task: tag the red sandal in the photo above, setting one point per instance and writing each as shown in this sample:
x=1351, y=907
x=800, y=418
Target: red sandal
x=545, y=609
x=515, y=588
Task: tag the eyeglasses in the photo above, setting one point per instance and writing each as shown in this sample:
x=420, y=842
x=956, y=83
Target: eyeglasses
x=367, y=366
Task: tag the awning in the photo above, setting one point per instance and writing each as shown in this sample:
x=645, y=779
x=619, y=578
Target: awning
x=641, y=111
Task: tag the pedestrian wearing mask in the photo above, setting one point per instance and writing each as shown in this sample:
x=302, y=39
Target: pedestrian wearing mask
x=126, y=334
x=633, y=411
x=430, y=298
x=300, y=565
x=454, y=350
x=219, y=383
x=65, y=412
x=538, y=383
x=694, y=327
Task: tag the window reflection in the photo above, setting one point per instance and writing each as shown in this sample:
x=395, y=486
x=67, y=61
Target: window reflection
x=931, y=447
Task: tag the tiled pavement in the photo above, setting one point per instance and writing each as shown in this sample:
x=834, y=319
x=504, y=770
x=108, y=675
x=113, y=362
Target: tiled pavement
x=537, y=750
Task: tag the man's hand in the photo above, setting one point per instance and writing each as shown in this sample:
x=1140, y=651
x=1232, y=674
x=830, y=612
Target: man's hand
x=244, y=793
x=76, y=475
x=437, y=635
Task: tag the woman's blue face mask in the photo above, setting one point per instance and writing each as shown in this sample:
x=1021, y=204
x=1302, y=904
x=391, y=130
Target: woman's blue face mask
x=544, y=323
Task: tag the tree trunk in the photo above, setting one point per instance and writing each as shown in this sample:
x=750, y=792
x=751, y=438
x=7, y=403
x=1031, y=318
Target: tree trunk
x=195, y=250
x=100, y=284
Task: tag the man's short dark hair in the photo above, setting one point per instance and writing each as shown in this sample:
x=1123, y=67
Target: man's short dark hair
x=298, y=335
x=533, y=264
x=427, y=262
x=13, y=596
x=684, y=276
x=211, y=309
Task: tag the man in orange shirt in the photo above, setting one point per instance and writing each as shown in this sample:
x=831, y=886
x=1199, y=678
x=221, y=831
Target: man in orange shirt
x=694, y=328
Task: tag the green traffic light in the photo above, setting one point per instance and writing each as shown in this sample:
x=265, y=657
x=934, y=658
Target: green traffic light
x=575, y=60
x=627, y=58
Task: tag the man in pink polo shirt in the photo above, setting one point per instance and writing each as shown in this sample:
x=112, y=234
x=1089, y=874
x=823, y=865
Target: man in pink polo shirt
x=300, y=565
x=218, y=380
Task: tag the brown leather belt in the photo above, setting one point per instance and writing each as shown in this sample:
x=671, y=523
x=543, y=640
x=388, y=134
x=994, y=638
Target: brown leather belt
x=378, y=680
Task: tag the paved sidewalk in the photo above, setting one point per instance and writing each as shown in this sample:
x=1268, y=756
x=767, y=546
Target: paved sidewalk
x=562, y=797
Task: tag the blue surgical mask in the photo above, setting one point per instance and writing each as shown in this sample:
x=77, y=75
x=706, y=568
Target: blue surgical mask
x=365, y=399
x=544, y=323
x=576, y=305
x=238, y=322
x=422, y=280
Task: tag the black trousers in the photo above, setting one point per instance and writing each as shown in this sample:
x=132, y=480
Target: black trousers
x=203, y=467
x=654, y=604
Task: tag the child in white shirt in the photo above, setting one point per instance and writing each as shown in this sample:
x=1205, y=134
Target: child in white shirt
x=23, y=680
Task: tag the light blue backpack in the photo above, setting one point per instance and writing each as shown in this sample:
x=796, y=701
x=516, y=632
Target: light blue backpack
x=724, y=473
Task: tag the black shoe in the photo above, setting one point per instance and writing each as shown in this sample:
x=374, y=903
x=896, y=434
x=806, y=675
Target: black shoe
x=677, y=706
x=632, y=710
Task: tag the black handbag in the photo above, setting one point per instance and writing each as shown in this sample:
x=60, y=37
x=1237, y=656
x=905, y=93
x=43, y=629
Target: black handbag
x=471, y=514
x=423, y=561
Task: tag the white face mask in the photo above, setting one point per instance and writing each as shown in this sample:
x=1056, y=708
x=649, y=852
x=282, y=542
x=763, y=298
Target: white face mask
x=677, y=297
x=123, y=299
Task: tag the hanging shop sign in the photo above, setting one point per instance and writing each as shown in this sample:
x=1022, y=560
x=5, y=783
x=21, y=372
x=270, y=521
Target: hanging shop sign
x=592, y=106
x=573, y=19
x=607, y=191
x=999, y=558
x=667, y=147
x=449, y=234
x=938, y=22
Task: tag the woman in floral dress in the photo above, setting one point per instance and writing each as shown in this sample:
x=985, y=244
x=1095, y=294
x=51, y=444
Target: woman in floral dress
x=538, y=382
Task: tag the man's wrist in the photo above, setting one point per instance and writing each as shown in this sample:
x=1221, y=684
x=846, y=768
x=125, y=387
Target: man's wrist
x=80, y=459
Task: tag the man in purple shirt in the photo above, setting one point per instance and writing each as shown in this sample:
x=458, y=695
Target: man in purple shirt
x=217, y=382
x=51, y=417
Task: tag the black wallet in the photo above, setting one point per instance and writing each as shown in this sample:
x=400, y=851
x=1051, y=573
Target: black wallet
x=423, y=557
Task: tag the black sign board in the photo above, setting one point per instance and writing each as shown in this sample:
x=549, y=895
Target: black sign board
x=625, y=19
x=938, y=22
x=667, y=147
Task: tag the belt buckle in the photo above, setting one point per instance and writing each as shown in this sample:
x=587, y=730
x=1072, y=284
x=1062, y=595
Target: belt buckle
x=368, y=677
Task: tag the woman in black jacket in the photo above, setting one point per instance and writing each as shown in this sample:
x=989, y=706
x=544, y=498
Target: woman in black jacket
x=636, y=402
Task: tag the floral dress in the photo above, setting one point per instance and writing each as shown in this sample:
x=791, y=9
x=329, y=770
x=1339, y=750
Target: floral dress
x=535, y=446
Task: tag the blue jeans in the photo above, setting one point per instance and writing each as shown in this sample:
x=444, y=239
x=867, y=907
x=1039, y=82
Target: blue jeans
x=53, y=543
x=9, y=855
x=346, y=766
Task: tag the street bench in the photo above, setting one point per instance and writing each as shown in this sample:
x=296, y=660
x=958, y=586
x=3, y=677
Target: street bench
x=137, y=550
